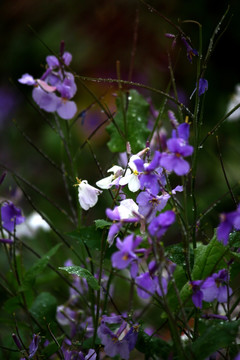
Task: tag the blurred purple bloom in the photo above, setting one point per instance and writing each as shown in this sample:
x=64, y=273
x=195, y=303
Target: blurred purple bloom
x=161, y=223
x=228, y=222
x=203, y=86
x=54, y=82
x=120, y=342
x=190, y=51
x=178, y=148
x=145, y=281
x=34, y=345
x=11, y=216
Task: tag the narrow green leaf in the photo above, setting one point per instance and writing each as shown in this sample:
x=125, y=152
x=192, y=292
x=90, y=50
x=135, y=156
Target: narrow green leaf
x=37, y=268
x=136, y=118
x=83, y=273
x=208, y=259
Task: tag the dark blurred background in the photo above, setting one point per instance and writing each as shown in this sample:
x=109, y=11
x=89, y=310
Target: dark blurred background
x=99, y=33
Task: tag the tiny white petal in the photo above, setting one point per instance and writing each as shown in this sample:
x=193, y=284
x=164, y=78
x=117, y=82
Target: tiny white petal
x=106, y=182
x=134, y=183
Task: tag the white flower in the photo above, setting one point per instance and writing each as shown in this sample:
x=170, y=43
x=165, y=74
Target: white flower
x=109, y=181
x=31, y=225
x=87, y=194
x=127, y=209
x=234, y=101
x=131, y=176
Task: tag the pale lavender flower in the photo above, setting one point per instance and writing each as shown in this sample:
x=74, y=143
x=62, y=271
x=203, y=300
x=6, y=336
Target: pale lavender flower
x=87, y=194
x=161, y=223
x=229, y=221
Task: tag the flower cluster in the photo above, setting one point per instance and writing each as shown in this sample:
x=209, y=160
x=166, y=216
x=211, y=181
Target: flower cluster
x=56, y=87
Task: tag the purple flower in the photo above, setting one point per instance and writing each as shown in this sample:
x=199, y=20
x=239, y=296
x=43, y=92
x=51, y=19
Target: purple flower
x=126, y=255
x=213, y=288
x=203, y=86
x=145, y=281
x=11, y=216
x=178, y=148
x=161, y=223
x=198, y=288
x=120, y=342
x=34, y=345
x=126, y=212
x=228, y=222
x=149, y=204
x=54, y=82
x=150, y=174
x=190, y=51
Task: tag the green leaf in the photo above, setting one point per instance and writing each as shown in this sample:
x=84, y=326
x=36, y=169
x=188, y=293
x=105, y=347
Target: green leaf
x=88, y=235
x=208, y=259
x=83, y=273
x=214, y=337
x=44, y=309
x=37, y=268
x=136, y=119
x=101, y=224
x=234, y=239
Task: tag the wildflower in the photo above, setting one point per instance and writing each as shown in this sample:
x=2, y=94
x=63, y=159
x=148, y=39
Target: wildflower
x=131, y=176
x=55, y=89
x=11, y=216
x=178, y=148
x=150, y=174
x=120, y=342
x=228, y=221
x=87, y=194
x=149, y=203
x=126, y=212
x=190, y=51
x=109, y=181
x=202, y=87
x=198, y=287
x=161, y=223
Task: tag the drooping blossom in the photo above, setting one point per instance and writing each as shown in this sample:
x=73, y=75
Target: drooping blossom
x=111, y=180
x=87, y=194
x=228, y=222
x=11, y=216
x=191, y=52
x=202, y=87
x=119, y=342
x=198, y=287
